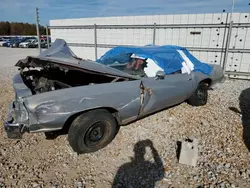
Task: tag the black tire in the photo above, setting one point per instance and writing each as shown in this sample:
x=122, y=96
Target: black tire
x=200, y=96
x=92, y=131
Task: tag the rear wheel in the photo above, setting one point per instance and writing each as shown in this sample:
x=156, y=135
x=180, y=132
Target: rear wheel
x=200, y=96
x=92, y=131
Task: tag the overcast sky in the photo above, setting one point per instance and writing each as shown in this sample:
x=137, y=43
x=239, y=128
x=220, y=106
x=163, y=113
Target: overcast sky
x=24, y=10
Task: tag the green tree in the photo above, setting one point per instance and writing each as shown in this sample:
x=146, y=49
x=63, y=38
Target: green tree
x=19, y=28
x=4, y=28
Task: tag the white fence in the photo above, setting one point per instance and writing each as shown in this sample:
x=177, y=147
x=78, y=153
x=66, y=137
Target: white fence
x=206, y=35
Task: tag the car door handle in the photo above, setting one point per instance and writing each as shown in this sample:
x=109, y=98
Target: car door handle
x=189, y=79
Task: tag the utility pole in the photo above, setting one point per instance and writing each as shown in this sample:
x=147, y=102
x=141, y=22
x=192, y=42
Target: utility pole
x=47, y=34
x=37, y=30
x=228, y=37
x=233, y=4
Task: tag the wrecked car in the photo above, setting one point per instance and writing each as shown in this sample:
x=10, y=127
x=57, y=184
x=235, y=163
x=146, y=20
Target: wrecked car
x=60, y=92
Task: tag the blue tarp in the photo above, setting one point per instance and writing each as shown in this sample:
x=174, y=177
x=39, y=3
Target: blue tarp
x=167, y=57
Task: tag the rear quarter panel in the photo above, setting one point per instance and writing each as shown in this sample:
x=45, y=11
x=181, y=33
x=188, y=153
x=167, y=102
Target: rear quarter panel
x=215, y=76
x=197, y=77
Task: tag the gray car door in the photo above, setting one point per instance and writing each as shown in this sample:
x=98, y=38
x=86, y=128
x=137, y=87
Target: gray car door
x=162, y=93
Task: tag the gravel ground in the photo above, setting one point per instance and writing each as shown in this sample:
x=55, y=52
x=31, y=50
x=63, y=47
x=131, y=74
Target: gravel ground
x=144, y=152
x=9, y=56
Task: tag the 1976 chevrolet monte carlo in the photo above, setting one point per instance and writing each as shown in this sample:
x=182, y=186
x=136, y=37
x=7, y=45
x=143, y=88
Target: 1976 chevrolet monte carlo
x=59, y=92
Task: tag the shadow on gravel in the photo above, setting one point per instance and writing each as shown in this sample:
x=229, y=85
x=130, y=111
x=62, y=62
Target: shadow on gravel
x=235, y=110
x=245, y=111
x=139, y=172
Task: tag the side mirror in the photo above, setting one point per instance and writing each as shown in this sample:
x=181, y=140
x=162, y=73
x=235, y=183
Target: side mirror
x=160, y=75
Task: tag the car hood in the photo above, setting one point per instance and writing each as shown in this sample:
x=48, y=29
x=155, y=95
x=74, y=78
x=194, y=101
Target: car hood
x=59, y=54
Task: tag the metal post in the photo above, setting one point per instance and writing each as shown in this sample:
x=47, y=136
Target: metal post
x=154, y=33
x=47, y=35
x=233, y=4
x=227, y=45
x=37, y=31
x=223, y=41
x=95, y=38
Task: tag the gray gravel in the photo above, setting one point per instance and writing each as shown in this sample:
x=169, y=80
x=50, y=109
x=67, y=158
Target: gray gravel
x=224, y=160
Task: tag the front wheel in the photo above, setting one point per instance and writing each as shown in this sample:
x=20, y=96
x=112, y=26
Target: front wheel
x=92, y=131
x=200, y=96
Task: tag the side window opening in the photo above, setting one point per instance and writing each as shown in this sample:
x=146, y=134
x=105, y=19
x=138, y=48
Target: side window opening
x=136, y=66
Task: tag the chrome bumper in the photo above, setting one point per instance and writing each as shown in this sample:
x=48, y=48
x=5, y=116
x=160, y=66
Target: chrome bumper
x=14, y=130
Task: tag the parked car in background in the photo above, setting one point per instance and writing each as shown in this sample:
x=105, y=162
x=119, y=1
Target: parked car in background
x=43, y=43
x=26, y=43
x=15, y=44
x=9, y=43
x=35, y=44
x=43, y=37
x=4, y=41
x=90, y=100
x=46, y=43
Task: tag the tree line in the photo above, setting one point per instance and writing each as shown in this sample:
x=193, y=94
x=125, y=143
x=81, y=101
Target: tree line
x=19, y=28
